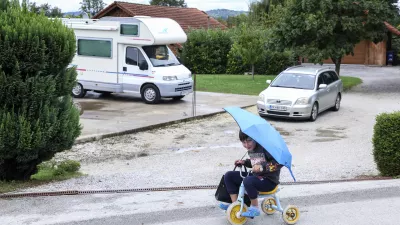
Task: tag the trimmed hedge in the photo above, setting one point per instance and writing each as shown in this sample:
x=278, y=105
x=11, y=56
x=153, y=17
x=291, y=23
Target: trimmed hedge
x=210, y=52
x=205, y=51
x=386, y=143
x=273, y=63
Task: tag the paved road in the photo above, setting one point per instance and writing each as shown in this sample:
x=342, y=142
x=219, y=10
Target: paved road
x=367, y=202
x=121, y=112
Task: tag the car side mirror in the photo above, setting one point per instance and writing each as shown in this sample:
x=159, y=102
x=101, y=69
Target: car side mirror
x=179, y=60
x=268, y=81
x=322, y=86
x=143, y=65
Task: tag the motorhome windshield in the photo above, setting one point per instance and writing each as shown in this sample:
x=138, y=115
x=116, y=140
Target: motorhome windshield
x=161, y=55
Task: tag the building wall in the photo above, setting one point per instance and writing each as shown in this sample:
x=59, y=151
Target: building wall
x=365, y=53
x=376, y=54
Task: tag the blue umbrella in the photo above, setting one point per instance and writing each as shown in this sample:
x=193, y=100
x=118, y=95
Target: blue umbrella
x=264, y=134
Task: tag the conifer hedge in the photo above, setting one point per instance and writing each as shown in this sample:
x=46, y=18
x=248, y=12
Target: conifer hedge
x=37, y=116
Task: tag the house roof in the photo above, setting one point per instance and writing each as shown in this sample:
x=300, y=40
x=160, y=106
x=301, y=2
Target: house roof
x=186, y=17
x=392, y=29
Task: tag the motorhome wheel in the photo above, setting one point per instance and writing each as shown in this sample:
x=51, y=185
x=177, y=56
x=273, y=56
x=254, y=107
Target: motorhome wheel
x=78, y=91
x=150, y=94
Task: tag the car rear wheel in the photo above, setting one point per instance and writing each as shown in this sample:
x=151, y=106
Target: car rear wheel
x=314, y=112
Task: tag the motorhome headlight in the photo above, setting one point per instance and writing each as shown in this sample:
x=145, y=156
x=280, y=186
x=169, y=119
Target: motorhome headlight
x=261, y=97
x=302, y=101
x=169, y=78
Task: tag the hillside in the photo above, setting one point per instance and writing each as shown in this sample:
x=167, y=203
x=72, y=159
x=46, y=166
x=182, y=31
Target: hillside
x=224, y=13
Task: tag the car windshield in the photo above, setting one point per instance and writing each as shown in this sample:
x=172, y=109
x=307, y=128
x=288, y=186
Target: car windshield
x=161, y=55
x=295, y=80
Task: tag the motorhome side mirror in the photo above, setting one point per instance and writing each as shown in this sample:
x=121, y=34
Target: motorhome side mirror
x=268, y=81
x=322, y=86
x=143, y=65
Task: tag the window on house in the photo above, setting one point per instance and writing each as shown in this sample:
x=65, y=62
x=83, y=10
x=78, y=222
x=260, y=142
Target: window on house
x=96, y=48
x=129, y=29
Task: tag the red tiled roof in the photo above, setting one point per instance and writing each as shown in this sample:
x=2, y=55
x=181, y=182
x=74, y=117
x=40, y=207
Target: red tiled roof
x=392, y=29
x=186, y=17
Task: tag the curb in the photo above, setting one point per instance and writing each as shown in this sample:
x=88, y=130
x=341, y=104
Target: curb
x=150, y=127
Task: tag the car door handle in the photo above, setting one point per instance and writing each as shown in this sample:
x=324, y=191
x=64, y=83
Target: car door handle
x=124, y=68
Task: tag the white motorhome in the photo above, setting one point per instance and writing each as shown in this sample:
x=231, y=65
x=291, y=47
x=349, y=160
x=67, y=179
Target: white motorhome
x=129, y=55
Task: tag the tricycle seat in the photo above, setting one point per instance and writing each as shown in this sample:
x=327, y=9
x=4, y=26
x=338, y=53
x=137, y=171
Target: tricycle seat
x=269, y=192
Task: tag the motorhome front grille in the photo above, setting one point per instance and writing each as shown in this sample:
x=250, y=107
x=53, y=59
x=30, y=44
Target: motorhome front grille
x=183, y=84
x=183, y=88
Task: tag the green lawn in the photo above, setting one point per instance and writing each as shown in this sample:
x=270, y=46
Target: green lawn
x=244, y=84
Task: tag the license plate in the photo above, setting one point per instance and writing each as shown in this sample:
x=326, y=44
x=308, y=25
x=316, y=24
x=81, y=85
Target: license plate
x=278, y=107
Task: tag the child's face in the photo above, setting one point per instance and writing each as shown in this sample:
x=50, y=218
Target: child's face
x=249, y=144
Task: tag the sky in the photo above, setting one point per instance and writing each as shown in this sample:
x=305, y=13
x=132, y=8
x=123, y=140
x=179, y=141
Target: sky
x=73, y=5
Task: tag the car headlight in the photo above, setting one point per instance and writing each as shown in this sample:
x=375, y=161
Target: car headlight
x=261, y=97
x=302, y=101
x=169, y=78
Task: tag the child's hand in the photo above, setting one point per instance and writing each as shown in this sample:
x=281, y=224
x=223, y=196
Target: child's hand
x=239, y=162
x=256, y=168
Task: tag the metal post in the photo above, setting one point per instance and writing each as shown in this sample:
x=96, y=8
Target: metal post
x=194, y=96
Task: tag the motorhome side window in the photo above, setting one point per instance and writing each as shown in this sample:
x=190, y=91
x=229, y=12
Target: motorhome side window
x=129, y=29
x=97, y=48
x=133, y=56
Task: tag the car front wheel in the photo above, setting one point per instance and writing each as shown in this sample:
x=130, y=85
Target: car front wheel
x=337, y=103
x=314, y=112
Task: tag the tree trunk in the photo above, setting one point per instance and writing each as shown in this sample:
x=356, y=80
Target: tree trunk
x=252, y=70
x=337, y=62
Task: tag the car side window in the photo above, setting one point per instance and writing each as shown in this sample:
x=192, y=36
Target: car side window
x=327, y=77
x=334, y=76
x=320, y=80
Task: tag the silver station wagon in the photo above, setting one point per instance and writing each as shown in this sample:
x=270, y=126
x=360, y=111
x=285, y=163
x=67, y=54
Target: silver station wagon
x=301, y=92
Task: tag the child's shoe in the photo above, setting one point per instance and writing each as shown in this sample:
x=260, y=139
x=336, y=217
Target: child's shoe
x=251, y=212
x=223, y=206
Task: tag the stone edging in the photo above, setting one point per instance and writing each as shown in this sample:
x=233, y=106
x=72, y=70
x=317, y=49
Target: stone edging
x=147, y=128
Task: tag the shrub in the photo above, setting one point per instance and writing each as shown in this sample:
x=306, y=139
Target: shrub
x=37, y=116
x=386, y=143
x=272, y=63
x=69, y=166
x=205, y=51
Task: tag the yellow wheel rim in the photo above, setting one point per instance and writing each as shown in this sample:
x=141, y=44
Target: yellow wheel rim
x=233, y=213
x=292, y=215
x=266, y=206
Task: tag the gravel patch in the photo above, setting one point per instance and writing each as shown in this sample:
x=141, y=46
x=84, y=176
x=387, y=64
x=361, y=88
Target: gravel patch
x=336, y=146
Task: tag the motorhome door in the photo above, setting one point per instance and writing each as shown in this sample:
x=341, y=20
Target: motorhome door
x=132, y=76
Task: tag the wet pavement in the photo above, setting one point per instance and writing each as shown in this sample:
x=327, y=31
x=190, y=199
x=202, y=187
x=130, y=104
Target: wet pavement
x=123, y=112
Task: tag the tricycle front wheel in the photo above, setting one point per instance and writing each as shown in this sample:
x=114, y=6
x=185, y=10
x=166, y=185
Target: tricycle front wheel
x=233, y=212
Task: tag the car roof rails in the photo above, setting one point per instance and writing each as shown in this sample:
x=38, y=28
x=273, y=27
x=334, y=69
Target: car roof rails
x=292, y=67
x=323, y=68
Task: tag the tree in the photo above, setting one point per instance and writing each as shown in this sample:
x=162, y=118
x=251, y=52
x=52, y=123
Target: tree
x=92, y=7
x=37, y=116
x=249, y=44
x=321, y=29
x=176, y=3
